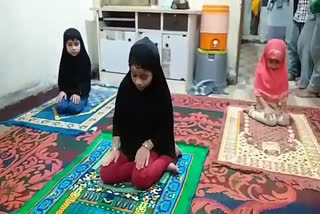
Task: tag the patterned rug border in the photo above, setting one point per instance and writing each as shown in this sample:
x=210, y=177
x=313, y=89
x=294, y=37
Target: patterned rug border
x=297, y=182
x=181, y=206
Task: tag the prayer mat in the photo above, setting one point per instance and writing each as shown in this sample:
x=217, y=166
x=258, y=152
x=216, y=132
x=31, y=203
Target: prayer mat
x=78, y=189
x=45, y=117
x=290, y=154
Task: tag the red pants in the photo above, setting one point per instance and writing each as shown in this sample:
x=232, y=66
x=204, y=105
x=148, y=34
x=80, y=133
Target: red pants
x=124, y=170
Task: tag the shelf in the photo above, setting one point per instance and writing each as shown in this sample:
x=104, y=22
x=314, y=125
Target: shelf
x=118, y=28
x=119, y=19
x=184, y=33
x=119, y=24
x=146, y=9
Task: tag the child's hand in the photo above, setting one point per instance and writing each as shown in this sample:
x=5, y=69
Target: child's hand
x=62, y=95
x=111, y=157
x=75, y=99
x=142, y=157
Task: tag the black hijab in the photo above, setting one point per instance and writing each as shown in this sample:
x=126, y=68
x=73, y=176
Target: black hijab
x=74, y=71
x=147, y=114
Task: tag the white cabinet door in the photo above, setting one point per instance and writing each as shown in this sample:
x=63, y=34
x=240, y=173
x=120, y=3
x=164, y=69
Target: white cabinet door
x=175, y=56
x=154, y=36
x=115, y=47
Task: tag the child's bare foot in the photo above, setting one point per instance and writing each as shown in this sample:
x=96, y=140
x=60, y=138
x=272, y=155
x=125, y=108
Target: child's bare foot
x=173, y=168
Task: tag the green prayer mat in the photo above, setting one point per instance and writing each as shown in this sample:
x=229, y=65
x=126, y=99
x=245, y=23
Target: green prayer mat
x=78, y=189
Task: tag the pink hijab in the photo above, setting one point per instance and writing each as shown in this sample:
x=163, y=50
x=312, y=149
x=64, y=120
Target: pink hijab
x=272, y=84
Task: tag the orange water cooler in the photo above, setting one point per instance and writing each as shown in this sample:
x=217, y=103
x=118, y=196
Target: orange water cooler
x=214, y=27
x=211, y=60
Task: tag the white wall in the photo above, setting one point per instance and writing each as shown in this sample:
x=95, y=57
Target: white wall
x=31, y=35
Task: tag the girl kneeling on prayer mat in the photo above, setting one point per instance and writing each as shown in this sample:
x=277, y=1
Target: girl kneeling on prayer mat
x=74, y=79
x=271, y=86
x=142, y=122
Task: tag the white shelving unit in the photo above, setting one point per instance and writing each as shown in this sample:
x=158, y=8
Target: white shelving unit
x=175, y=32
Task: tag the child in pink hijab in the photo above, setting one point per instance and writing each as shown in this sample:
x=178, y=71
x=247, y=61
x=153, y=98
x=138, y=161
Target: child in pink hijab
x=271, y=86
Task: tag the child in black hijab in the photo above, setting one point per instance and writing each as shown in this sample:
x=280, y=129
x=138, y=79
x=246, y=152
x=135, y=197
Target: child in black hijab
x=74, y=74
x=143, y=123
